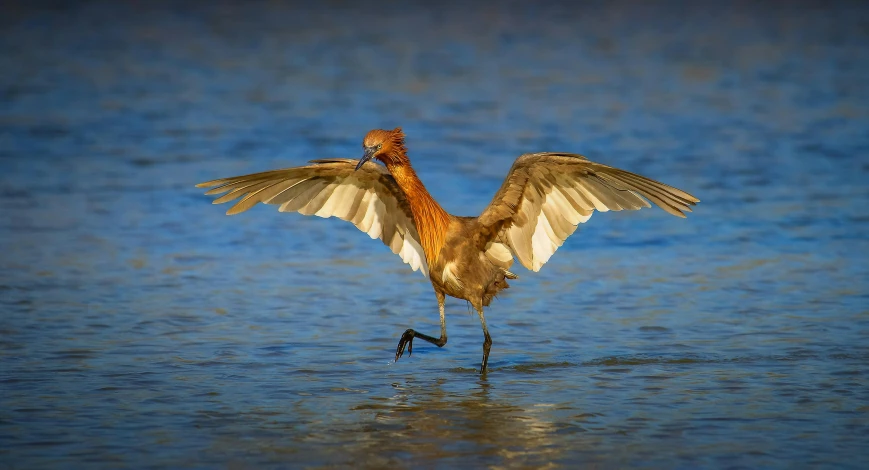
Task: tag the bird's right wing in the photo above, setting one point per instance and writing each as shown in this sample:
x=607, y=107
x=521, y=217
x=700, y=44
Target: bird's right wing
x=546, y=195
x=368, y=197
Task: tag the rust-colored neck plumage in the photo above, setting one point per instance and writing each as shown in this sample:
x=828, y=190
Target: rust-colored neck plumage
x=431, y=219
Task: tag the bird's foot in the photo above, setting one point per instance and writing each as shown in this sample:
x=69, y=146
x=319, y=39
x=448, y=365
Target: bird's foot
x=405, y=341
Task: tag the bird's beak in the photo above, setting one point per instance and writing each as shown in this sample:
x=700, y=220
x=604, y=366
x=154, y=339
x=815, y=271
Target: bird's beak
x=369, y=152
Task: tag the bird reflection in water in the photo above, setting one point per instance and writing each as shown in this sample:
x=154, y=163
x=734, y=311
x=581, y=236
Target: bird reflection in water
x=423, y=422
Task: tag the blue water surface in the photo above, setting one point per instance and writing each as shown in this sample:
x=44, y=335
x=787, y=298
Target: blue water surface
x=143, y=328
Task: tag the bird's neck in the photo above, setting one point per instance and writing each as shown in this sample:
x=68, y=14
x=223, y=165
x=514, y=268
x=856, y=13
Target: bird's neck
x=430, y=218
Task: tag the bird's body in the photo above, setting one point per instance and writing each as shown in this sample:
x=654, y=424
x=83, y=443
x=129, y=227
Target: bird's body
x=464, y=271
x=543, y=198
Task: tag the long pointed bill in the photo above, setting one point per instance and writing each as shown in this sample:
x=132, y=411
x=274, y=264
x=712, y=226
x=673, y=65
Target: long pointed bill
x=369, y=152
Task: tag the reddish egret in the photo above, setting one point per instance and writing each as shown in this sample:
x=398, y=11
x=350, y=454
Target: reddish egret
x=541, y=202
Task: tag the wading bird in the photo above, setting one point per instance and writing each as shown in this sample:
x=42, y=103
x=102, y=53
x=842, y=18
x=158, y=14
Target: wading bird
x=543, y=199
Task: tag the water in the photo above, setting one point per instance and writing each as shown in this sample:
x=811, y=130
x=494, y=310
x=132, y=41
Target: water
x=143, y=328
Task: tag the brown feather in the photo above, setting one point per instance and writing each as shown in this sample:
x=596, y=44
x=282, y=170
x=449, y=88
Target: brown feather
x=431, y=219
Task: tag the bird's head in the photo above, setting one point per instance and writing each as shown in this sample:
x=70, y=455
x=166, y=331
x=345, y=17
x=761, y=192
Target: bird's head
x=383, y=145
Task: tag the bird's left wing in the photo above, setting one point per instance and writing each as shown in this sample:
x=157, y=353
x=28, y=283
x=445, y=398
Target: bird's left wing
x=546, y=195
x=368, y=197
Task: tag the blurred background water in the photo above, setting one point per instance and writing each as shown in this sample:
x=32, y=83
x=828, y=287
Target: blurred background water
x=141, y=327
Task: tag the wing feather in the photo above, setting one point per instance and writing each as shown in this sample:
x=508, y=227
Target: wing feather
x=546, y=195
x=591, y=197
x=258, y=195
x=288, y=193
x=368, y=218
x=319, y=200
x=307, y=191
x=341, y=202
x=362, y=211
x=232, y=186
x=240, y=191
x=657, y=194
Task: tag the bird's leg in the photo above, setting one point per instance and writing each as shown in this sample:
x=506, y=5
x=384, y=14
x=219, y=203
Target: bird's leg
x=487, y=342
x=406, y=340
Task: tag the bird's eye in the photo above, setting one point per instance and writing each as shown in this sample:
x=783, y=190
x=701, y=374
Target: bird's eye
x=379, y=145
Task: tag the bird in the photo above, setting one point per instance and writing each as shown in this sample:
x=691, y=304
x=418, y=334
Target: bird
x=541, y=202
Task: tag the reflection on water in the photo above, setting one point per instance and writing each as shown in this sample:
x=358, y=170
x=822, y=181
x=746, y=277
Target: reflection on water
x=141, y=327
x=429, y=423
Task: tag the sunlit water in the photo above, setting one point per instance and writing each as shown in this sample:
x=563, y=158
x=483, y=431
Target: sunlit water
x=141, y=327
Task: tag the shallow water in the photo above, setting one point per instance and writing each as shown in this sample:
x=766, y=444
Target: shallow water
x=143, y=328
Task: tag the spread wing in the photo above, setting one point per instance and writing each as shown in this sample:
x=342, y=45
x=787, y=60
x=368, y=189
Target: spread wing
x=369, y=198
x=546, y=195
